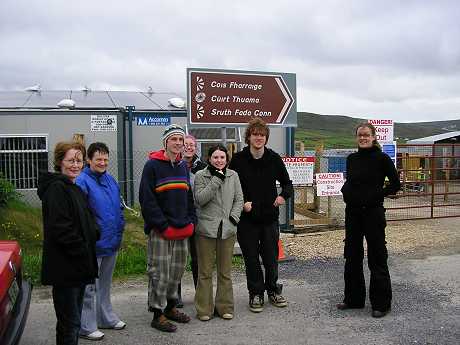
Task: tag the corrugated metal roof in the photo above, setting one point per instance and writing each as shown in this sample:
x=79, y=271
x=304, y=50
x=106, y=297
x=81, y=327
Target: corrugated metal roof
x=48, y=99
x=434, y=138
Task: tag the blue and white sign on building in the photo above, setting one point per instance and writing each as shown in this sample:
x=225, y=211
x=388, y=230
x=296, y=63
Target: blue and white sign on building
x=151, y=120
x=390, y=149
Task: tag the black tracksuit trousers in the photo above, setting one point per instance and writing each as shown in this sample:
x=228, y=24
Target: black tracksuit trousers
x=258, y=239
x=368, y=222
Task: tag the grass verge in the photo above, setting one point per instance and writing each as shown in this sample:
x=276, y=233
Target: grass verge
x=22, y=223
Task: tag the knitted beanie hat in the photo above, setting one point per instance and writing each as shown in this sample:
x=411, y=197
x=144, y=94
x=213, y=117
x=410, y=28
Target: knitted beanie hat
x=172, y=130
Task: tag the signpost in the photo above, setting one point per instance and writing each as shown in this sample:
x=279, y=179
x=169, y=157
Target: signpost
x=223, y=97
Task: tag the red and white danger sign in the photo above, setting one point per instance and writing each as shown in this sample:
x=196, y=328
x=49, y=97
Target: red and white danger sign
x=384, y=130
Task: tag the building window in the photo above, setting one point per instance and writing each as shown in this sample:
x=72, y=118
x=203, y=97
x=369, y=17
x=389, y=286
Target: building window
x=23, y=158
x=214, y=134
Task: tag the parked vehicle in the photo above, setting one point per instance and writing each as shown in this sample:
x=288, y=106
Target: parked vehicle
x=15, y=294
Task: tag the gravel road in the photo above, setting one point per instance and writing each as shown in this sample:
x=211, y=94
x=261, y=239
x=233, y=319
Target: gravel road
x=424, y=264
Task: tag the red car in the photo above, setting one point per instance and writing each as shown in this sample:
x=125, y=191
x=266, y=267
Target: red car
x=15, y=294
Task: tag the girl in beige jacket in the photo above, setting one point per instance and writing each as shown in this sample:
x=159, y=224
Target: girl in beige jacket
x=219, y=202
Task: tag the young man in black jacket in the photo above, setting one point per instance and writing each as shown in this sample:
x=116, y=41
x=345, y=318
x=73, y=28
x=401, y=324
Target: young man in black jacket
x=258, y=230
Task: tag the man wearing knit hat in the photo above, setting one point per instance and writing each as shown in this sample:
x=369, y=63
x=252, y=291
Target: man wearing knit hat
x=169, y=216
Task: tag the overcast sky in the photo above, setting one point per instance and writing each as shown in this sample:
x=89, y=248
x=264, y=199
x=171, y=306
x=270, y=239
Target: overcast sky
x=369, y=59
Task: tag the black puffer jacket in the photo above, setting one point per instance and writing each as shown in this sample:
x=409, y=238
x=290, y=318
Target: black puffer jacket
x=365, y=180
x=258, y=180
x=69, y=233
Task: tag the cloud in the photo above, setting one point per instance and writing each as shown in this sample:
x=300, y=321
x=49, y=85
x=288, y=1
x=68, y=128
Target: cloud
x=360, y=58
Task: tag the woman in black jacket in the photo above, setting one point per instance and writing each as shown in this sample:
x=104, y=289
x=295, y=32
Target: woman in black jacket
x=363, y=193
x=69, y=240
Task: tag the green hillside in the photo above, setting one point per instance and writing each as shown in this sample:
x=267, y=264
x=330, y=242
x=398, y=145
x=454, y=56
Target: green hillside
x=336, y=131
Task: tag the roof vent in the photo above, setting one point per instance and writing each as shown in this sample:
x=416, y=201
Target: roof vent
x=177, y=102
x=66, y=103
x=35, y=88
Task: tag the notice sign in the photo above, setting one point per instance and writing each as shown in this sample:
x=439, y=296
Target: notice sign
x=329, y=184
x=234, y=97
x=103, y=123
x=384, y=130
x=300, y=169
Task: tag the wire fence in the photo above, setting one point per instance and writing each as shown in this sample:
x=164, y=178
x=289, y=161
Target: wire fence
x=430, y=180
x=429, y=174
x=24, y=170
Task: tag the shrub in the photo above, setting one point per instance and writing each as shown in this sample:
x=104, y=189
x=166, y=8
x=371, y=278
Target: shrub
x=7, y=191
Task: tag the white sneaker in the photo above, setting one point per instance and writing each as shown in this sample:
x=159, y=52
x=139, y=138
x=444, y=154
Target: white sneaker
x=96, y=335
x=120, y=325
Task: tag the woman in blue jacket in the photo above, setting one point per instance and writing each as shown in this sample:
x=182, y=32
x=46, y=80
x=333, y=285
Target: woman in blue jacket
x=103, y=195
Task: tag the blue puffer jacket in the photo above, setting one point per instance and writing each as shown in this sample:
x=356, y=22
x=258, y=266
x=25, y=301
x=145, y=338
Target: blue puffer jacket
x=103, y=195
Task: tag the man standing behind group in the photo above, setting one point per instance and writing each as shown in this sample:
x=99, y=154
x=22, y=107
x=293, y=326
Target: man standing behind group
x=259, y=168
x=103, y=195
x=169, y=216
x=194, y=164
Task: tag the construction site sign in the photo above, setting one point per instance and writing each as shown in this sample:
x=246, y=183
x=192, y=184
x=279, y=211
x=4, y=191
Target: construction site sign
x=219, y=97
x=103, y=123
x=329, y=184
x=384, y=130
x=300, y=169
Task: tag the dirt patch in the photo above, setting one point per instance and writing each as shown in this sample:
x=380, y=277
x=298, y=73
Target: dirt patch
x=416, y=238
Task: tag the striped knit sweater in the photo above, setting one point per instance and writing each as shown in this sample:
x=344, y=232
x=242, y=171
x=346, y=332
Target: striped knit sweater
x=165, y=195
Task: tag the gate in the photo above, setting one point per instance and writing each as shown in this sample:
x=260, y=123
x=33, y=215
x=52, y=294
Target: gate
x=430, y=182
x=430, y=188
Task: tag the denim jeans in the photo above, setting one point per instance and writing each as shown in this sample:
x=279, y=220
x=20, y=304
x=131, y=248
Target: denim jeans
x=68, y=303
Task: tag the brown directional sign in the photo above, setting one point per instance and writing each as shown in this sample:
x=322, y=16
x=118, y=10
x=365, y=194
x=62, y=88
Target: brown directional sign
x=227, y=97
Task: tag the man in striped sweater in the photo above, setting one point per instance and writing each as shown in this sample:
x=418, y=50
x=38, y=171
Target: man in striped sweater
x=166, y=201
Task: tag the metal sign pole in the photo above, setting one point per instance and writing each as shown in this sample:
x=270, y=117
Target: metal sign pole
x=130, y=109
x=223, y=134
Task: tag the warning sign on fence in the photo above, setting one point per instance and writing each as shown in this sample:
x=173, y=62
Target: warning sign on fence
x=300, y=169
x=384, y=130
x=329, y=184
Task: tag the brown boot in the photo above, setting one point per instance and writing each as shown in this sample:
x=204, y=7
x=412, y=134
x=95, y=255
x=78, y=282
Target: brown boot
x=162, y=324
x=175, y=315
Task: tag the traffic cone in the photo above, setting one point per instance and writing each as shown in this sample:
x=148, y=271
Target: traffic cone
x=281, y=254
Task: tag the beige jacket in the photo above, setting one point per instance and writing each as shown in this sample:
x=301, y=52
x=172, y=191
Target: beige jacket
x=216, y=201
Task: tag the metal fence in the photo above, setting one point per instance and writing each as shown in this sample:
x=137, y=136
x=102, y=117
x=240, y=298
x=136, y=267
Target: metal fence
x=26, y=183
x=430, y=180
x=429, y=174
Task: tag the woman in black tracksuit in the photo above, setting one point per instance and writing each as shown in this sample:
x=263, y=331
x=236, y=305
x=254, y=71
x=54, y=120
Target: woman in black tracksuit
x=363, y=193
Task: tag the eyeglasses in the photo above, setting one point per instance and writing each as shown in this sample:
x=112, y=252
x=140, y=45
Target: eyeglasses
x=73, y=161
x=363, y=135
x=191, y=146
